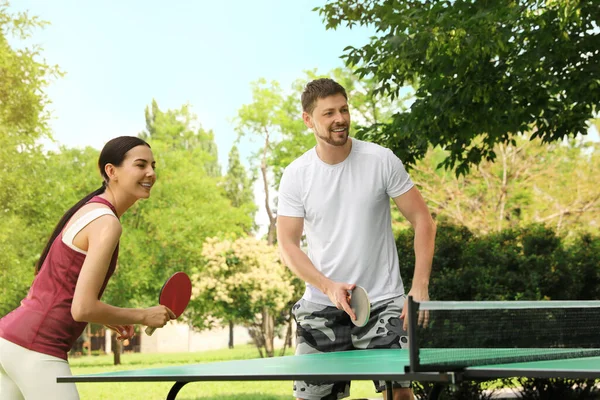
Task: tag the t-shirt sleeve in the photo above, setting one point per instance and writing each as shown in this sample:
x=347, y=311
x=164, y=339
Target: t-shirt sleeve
x=290, y=200
x=398, y=180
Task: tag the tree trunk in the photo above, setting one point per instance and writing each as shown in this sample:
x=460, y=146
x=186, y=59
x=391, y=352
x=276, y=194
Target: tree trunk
x=117, y=349
x=288, y=335
x=258, y=338
x=503, y=189
x=271, y=233
x=291, y=330
x=231, y=334
x=268, y=331
x=87, y=345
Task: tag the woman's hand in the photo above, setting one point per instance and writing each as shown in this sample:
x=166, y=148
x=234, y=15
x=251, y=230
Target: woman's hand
x=124, y=332
x=158, y=316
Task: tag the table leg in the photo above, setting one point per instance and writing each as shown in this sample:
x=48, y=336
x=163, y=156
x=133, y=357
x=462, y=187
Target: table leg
x=389, y=388
x=175, y=389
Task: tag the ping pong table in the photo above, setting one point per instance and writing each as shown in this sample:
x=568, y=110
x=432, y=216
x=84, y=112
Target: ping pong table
x=418, y=363
x=375, y=364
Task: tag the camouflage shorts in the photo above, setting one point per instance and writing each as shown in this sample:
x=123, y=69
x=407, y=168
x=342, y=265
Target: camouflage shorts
x=322, y=329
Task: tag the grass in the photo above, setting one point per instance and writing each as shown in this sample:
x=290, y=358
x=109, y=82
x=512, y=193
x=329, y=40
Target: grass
x=276, y=390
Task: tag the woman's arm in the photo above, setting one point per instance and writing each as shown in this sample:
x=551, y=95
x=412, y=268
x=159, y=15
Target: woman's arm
x=103, y=235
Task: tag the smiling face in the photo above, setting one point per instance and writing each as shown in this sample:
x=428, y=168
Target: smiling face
x=135, y=176
x=330, y=120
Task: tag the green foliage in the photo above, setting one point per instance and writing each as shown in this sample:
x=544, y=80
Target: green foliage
x=244, y=281
x=23, y=78
x=243, y=277
x=563, y=389
x=60, y=179
x=529, y=263
x=483, y=69
x=180, y=130
x=279, y=114
x=23, y=119
x=165, y=233
x=19, y=254
x=531, y=182
x=160, y=236
x=525, y=263
x=465, y=390
x=23, y=171
x=238, y=186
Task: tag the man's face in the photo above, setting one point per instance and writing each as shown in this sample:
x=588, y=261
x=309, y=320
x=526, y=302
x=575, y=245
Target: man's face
x=330, y=120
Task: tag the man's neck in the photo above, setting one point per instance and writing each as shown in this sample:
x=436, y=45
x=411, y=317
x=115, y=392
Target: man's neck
x=332, y=155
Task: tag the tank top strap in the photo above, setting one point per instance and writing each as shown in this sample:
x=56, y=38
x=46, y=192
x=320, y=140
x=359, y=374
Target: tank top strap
x=72, y=231
x=98, y=199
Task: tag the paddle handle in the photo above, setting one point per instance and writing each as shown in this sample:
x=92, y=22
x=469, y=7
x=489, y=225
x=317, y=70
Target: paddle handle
x=150, y=330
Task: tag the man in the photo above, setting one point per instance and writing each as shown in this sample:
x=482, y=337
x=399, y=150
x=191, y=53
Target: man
x=338, y=194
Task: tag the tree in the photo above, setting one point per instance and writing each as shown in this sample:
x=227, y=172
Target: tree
x=280, y=115
x=261, y=119
x=23, y=113
x=187, y=203
x=246, y=281
x=18, y=260
x=238, y=189
x=24, y=76
x=531, y=182
x=165, y=233
x=486, y=71
x=180, y=129
x=530, y=262
x=237, y=184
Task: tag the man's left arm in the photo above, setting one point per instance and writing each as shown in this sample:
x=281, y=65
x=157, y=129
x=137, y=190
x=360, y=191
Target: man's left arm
x=414, y=209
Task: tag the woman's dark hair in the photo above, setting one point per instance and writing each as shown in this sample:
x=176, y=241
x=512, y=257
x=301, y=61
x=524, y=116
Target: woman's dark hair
x=113, y=153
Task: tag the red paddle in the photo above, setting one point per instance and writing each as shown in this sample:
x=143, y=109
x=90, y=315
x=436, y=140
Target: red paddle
x=175, y=295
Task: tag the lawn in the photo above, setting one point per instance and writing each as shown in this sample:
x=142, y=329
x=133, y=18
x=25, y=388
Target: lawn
x=281, y=390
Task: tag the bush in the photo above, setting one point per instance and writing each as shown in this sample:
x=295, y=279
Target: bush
x=524, y=263
x=558, y=389
x=527, y=263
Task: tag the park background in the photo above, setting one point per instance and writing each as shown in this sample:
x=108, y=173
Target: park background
x=491, y=106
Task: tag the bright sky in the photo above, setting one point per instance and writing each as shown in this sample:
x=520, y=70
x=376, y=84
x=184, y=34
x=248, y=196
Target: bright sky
x=119, y=55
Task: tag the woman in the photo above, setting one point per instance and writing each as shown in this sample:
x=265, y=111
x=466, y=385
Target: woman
x=71, y=276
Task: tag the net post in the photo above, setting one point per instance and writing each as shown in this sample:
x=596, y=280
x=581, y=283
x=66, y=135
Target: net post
x=413, y=346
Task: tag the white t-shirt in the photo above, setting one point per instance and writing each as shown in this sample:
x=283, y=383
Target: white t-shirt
x=347, y=216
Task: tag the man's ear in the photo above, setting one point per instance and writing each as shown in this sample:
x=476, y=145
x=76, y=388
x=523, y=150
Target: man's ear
x=307, y=120
x=111, y=172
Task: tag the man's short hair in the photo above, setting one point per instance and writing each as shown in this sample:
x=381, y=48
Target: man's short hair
x=319, y=89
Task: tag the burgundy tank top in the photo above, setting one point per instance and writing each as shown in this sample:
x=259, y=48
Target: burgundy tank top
x=43, y=321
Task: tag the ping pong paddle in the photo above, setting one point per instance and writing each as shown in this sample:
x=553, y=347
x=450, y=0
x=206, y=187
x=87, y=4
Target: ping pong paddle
x=175, y=295
x=360, y=304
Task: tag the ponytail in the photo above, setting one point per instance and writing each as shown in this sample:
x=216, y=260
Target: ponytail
x=63, y=221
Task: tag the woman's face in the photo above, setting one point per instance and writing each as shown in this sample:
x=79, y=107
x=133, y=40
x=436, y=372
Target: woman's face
x=136, y=174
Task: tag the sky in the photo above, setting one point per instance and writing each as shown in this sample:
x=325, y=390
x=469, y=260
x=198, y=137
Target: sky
x=119, y=55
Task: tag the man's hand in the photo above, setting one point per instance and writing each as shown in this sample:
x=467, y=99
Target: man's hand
x=124, y=332
x=418, y=293
x=338, y=294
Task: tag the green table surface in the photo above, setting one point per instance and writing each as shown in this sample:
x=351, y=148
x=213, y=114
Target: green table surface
x=348, y=365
